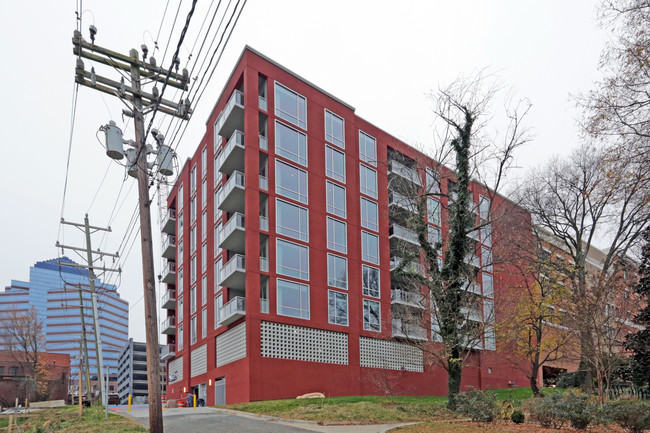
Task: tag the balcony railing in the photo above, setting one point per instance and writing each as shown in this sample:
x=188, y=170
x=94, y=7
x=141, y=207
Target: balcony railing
x=264, y=144
x=264, y=305
x=233, y=310
x=169, y=326
x=398, y=296
x=233, y=273
x=399, y=232
x=264, y=183
x=232, y=234
x=169, y=222
x=411, y=331
x=232, y=116
x=409, y=267
x=169, y=273
x=264, y=223
x=167, y=352
x=264, y=264
x=232, y=156
x=261, y=102
x=404, y=172
x=168, y=301
x=169, y=247
x=231, y=195
x=397, y=199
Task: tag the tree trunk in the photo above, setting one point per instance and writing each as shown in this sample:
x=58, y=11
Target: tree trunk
x=533, y=381
x=455, y=368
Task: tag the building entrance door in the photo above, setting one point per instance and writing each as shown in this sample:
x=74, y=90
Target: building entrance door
x=203, y=394
x=220, y=391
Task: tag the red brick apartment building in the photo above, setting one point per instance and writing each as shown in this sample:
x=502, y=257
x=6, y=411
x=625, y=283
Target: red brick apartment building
x=15, y=374
x=280, y=249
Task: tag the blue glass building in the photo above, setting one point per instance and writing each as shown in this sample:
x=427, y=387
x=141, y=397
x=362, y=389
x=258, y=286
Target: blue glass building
x=53, y=290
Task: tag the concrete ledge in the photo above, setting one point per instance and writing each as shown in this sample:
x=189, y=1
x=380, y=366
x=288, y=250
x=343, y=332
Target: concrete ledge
x=46, y=404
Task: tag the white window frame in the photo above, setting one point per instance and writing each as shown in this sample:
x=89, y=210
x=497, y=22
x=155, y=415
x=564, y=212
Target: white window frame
x=487, y=292
x=332, y=224
x=204, y=225
x=299, y=196
x=179, y=307
x=193, y=336
x=217, y=238
x=339, y=284
x=217, y=211
x=218, y=303
x=204, y=257
x=217, y=274
x=179, y=254
x=204, y=289
x=365, y=221
x=301, y=311
x=329, y=136
x=363, y=156
x=179, y=340
x=301, y=123
x=204, y=161
x=204, y=322
x=329, y=164
x=366, y=289
x=282, y=152
x=365, y=256
x=193, y=299
x=302, y=275
x=366, y=324
x=363, y=181
x=434, y=211
x=193, y=180
x=192, y=269
x=204, y=193
x=192, y=239
x=285, y=231
x=334, y=316
x=331, y=208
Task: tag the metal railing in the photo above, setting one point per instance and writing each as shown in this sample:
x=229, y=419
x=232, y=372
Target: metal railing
x=232, y=307
x=264, y=183
x=236, y=221
x=237, y=98
x=407, y=173
x=264, y=223
x=236, y=139
x=238, y=262
x=169, y=322
x=398, y=295
x=236, y=180
x=409, y=267
x=403, y=233
x=408, y=330
x=264, y=264
x=264, y=144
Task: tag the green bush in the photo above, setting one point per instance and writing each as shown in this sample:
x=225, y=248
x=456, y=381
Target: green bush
x=632, y=415
x=556, y=410
x=518, y=416
x=480, y=406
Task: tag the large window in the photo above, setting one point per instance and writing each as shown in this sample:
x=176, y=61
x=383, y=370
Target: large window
x=369, y=247
x=193, y=269
x=193, y=209
x=217, y=274
x=204, y=257
x=370, y=277
x=179, y=256
x=337, y=271
x=204, y=193
x=179, y=339
x=290, y=181
x=368, y=181
x=369, y=214
x=204, y=323
x=486, y=255
x=293, y=299
x=192, y=240
x=336, y=235
x=193, y=180
x=204, y=161
x=433, y=209
x=371, y=315
x=367, y=148
x=334, y=129
x=335, y=199
x=488, y=288
x=218, y=303
x=338, y=308
x=192, y=299
x=217, y=239
x=291, y=220
x=204, y=290
x=193, y=329
x=290, y=106
x=334, y=164
x=204, y=225
x=290, y=143
x=180, y=308
x=292, y=260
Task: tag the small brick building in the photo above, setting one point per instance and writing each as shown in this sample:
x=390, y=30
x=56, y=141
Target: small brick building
x=15, y=376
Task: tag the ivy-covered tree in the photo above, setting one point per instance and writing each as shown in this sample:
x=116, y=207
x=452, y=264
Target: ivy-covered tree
x=639, y=342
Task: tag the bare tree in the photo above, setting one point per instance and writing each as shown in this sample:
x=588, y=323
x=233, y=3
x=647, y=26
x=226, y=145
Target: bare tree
x=23, y=337
x=437, y=273
x=581, y=200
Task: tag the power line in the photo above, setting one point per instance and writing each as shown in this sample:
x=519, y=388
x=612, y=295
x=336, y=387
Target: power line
x=171, y=33
x=99, y=187
x=75, y=93
x=161, y=24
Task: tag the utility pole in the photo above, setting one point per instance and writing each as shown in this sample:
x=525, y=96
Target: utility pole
x=93, y=295
x=135, y=98
x=84, y=341
x=80, y=388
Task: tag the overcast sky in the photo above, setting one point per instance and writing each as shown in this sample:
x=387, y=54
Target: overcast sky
x=381, y=57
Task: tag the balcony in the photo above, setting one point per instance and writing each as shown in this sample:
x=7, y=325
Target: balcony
x=264, y=223
x=167, y=352
x=169, y=247
x=409, y=267
x=264, y=143
x=403, y=297
x=264, y=264
x=168, y=301
x=169, y=326
x=232, y=311
x=231, y=157
x=401, y=201
x=232, y=234
x=410, y=331
x=264, y=183
x=398, y=232
x=410, y=174
x=264, y=305
x=233, y=273
x=261, y=102
x=169, y=273
x=231, y=195
x=232, y=116
x=169, y=222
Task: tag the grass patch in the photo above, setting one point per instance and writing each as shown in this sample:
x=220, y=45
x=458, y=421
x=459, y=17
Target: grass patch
x=66, y=419
x=368, y=409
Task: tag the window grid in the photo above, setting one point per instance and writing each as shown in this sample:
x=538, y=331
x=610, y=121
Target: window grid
x=335, y=199
x=369, y=214
x=283, y=341
x=334, y=129
x=367, y=148
x=368, y=181
x=283, y=109
x=334, y=164
x=337, y=235
x=337, y=271
x=337, y=308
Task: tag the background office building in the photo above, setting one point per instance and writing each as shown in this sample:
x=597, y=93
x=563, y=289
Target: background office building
x=132, y=373
x=281, y=245
x=53, y=291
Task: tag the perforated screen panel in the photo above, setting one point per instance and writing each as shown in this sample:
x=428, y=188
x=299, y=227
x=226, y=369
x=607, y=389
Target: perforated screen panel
x=390, y=355
x=303, y=344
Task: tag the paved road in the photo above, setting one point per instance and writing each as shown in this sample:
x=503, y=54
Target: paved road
x=210, y=420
